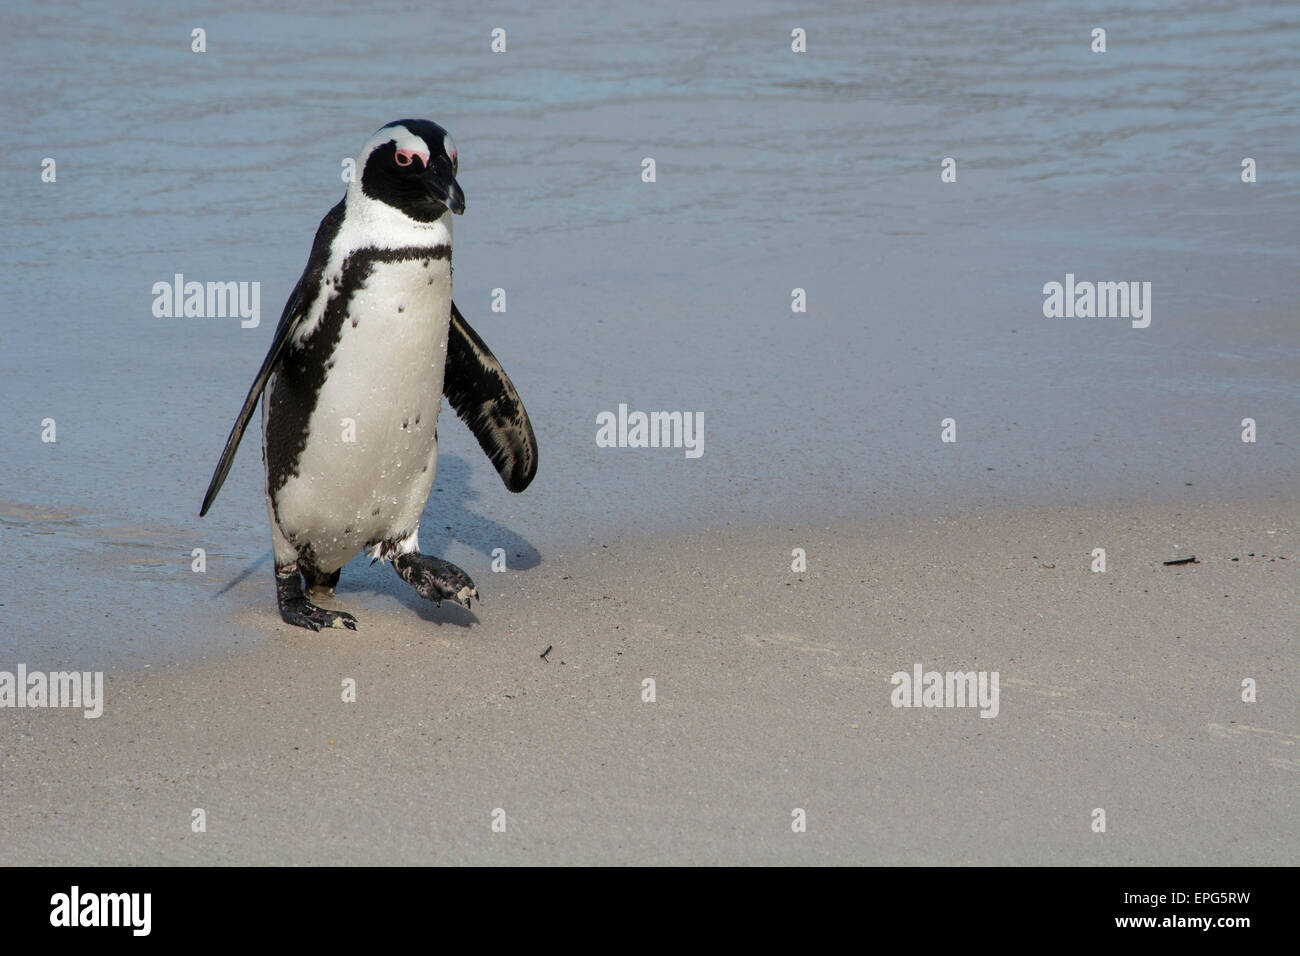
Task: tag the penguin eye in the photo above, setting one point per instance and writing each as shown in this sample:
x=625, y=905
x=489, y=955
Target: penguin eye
x=405, y=157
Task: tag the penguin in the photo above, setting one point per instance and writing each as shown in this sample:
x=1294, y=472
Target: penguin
x=368, y=344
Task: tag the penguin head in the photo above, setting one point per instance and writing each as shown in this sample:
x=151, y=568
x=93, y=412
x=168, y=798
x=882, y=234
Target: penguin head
x=411, y=166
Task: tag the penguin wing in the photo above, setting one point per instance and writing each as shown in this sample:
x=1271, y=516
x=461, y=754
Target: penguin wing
x=288, y=322
x=484, y=397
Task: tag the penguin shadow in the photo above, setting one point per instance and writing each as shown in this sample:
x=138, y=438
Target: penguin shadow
x=447, y=519
x=247, y=573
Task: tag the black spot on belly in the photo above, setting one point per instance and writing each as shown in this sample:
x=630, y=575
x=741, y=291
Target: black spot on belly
x=401, y=309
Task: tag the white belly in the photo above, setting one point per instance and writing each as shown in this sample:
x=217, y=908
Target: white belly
x=372, y=451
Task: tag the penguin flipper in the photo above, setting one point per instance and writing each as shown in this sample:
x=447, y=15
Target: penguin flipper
x=294, y=311
x=482, y=394
x=283, y=332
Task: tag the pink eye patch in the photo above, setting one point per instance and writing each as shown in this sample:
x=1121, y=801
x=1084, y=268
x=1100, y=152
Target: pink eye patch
x=407, y=156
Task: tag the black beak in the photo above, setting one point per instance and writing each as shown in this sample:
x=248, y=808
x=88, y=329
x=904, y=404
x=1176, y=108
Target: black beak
x=455, y=198
x=442, y=186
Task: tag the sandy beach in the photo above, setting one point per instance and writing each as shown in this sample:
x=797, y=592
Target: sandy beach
x=1118, y=690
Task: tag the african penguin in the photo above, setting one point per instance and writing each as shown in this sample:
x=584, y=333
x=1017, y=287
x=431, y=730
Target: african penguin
x=368, y=344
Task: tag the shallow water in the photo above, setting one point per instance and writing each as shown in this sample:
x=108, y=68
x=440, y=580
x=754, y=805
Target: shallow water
x=774, y=170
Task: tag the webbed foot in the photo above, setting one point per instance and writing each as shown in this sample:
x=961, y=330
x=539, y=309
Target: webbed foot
x=435, y=579
x=297, y=610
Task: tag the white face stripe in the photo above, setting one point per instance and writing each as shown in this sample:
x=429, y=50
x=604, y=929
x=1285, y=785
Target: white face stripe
x=400, y=135
x=449, y=147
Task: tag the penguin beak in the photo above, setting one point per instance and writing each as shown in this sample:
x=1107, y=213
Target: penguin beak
x=444, y=188
x=455, y=198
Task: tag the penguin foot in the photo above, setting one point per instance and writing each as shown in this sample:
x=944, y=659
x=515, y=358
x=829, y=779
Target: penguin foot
x=303, y=613
x=297, y=610
x=436, y=580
